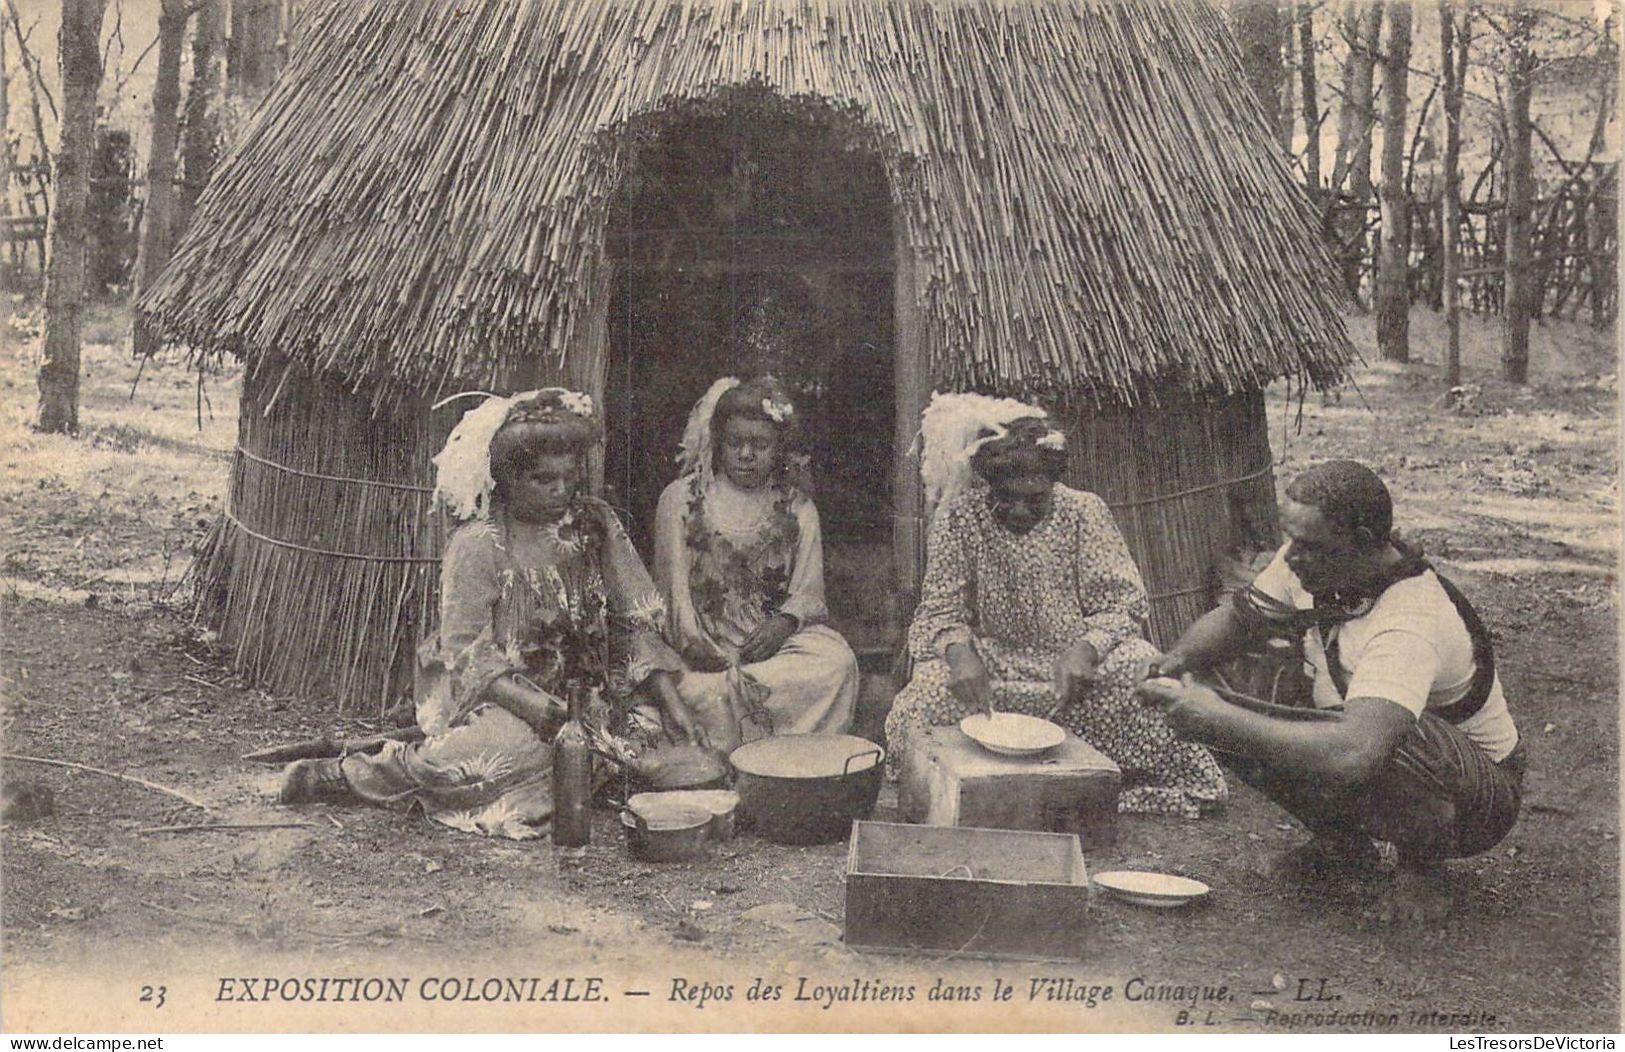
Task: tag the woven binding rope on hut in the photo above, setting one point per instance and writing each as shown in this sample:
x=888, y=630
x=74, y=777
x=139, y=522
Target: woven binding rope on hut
x=1088, y=211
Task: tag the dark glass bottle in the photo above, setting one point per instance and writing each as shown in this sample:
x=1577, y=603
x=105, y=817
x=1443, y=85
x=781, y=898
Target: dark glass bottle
x=572, y=776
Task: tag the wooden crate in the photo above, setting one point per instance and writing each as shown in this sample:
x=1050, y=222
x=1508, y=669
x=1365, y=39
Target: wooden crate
x=969, y=892
x=947, y=779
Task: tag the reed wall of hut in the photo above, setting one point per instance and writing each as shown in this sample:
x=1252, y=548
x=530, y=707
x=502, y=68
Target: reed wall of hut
x=322, y=573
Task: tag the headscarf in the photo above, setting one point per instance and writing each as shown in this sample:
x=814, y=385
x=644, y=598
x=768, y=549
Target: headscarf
x=463, y=480
x=954, y=427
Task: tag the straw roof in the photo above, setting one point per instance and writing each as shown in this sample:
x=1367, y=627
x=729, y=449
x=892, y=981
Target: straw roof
x=1092, y=200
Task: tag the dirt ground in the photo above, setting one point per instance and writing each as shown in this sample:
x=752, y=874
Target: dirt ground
x=1517, y=493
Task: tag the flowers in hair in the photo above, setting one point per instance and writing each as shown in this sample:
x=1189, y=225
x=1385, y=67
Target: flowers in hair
x=778, y=412
x=576, y=402
x=1054, y=440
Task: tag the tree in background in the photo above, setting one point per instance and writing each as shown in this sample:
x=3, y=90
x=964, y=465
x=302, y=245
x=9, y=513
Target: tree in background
x=1260, y=30
x=157, y=229
x=255, y=51
x=1362, y=30
x=1454, y=47
x=39, y=165
x=1310, y=96
x=80, y=63
x=1393, y=272
x=1520, y=192
x=1600, y=260
x=197, y=151
x=109, y=216
x=5, y=133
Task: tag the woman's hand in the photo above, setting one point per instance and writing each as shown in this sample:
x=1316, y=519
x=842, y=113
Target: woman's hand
x=1075, y=669
x=767, y=638
x=674, y=715
x=967, y=677
x=544, y=713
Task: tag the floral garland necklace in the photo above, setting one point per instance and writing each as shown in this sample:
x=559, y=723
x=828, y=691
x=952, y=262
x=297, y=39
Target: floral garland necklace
x=761, y=567
x=572, y=643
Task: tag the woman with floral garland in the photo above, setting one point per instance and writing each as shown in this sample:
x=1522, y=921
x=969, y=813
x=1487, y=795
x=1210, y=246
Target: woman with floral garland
x=539, y=588
x=739, y=558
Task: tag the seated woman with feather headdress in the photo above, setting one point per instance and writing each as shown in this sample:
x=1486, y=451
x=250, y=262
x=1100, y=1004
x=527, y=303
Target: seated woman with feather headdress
x=1031, y=603
x=739, y=559
x=540, y=589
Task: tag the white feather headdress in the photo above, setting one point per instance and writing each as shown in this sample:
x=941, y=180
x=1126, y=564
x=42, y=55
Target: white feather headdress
x=462, y=468
x=953, y=427
x=695, y=453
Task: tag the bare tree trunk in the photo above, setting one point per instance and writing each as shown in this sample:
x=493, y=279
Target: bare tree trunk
x=5, y=131
x=156, y=231
x=80, y=62
x=1349, y=26
x=1358, y=120
x=36, y=89
x=1286, y=103
x=197, y=152
x=1311, y=96
x=14, y=259
x=1602, y=246
x=1364, y=58
x=1520, y=199
x=1393, y=285
x=1261, y=33
x=1600, y=262
x=253, y=54
x=1453, y=50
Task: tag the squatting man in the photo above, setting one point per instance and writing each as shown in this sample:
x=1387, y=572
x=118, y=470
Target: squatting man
x=1416, y=746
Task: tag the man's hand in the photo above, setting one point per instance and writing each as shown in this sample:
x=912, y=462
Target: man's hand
x=1172, y=664
x=967, y=677
x=1076, y=668
x=766, y=640
x=1185, y=705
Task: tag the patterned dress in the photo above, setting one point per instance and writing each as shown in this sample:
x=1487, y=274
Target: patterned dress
x=728, y=559
x=1022, y=601
x=555, y=602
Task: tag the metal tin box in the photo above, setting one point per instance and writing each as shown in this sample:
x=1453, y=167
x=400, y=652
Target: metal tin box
x=966, y=891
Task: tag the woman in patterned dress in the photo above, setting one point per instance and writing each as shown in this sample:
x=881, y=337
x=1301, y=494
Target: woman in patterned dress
x=539, y=588
x=1031, y=603
x=739, y=558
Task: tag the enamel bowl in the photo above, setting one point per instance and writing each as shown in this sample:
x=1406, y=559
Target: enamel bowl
x=1011, y=733
x=1158, y=890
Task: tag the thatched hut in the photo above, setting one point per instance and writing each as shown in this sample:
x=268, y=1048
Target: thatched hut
x=1070, y=200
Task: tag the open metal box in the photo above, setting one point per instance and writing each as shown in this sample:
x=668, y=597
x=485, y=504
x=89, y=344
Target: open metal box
x=966, y=891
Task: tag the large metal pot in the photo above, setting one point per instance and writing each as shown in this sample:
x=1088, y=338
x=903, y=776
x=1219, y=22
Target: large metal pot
x=806, y=788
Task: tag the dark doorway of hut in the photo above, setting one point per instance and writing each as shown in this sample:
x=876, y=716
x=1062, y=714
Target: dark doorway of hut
x=753, y=234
